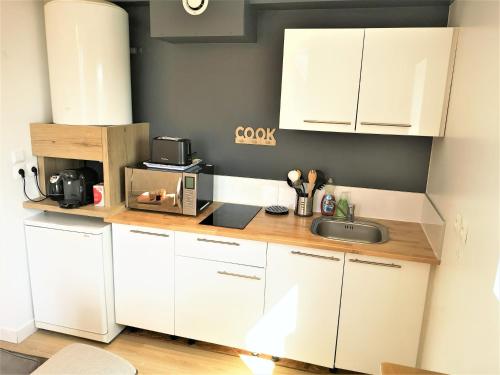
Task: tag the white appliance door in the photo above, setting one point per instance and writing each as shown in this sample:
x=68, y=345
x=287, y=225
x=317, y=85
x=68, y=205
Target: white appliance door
x=67, y=278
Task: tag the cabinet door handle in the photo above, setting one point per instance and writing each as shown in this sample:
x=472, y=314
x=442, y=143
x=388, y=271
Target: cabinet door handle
x=149, y=233
x=253, y=277
x=375, y=263
x=386, y=124
x=314, y=255
x=330, y=122
x=218, y=242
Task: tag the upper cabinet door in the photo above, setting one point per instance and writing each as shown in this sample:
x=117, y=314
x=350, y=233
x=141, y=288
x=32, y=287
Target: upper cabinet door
x=321, y=69
x=405, y=81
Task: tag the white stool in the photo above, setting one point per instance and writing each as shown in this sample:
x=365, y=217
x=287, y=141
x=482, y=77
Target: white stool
x=81, y=359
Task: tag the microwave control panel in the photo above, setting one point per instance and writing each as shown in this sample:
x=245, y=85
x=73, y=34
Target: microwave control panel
x=189, y=203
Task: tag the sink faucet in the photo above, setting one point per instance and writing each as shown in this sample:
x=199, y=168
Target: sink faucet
x=350, y=212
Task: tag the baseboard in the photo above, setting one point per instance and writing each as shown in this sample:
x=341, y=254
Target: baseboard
x=18, y=335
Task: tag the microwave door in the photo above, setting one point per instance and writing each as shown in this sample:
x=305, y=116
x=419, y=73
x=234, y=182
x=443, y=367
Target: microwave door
x=155, y=190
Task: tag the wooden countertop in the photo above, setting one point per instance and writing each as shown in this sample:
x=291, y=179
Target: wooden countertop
x=407, y=241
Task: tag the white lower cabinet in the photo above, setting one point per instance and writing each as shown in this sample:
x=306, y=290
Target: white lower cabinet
x=71, y=274
x=381, y=312
x=144, y=277
x=302, y=303
x=317, y=306
x=218, y=302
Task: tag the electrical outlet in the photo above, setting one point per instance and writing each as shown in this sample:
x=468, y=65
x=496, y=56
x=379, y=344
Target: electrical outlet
x=15, y=170
x=29, y=164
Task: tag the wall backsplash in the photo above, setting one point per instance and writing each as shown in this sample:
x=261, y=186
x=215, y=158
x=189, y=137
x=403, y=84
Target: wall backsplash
x=204, y=91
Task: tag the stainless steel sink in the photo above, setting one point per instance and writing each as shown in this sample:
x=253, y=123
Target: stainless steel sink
x=357, y=231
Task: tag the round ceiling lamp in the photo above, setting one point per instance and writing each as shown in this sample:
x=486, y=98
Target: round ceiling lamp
x=195, y=7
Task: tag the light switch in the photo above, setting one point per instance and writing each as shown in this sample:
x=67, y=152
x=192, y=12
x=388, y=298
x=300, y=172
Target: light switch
x=17, y=156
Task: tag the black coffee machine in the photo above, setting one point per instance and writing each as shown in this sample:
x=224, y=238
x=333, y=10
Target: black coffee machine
x=77, y=185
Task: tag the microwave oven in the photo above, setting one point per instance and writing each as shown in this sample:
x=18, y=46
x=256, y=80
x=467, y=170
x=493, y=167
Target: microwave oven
x=180, y=192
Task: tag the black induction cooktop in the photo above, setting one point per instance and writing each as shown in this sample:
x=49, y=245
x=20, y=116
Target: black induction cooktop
x=231, y=216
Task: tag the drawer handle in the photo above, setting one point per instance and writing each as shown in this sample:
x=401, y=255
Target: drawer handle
x=218, y=242
x=375, y=263
x=314, y=255
x=386, y=124
x=238, y=275
x=330, y=122
x=149, y=233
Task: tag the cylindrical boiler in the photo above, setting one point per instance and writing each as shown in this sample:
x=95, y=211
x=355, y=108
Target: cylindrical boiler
x=89, y=62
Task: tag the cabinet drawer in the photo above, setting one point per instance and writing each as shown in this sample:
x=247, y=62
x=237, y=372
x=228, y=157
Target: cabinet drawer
x=218, y=302
x=145, y=235
x=224, y=249
x=67, y=141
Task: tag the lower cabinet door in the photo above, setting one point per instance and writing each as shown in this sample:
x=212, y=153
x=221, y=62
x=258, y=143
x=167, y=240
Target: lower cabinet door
x=218, y=302
x=143, y=260
x=67, y=278
x=381, y=315
x=302, y=300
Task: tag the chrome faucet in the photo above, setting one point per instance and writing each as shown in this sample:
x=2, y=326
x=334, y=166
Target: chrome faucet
x=350, y=212
x=349, y=215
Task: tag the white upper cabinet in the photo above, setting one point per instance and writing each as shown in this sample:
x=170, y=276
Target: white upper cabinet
x=379, y=81
x=321, y=69
x=405, y=81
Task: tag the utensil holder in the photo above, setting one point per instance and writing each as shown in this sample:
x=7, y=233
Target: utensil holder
x=304, y=206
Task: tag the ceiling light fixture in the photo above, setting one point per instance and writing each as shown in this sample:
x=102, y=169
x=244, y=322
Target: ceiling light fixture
x=195, y=7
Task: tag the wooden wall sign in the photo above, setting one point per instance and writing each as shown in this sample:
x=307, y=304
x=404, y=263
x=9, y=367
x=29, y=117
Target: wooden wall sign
x=249, y=136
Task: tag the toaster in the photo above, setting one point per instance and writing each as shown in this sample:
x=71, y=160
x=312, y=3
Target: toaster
x=170, y=150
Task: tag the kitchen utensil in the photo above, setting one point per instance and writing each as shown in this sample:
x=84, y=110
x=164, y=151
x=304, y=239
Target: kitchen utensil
x=304, y=206
x=295, y=180
x=290, y=183
x=301, y=180
x=294, y=175
x=277, y=210
x=311, y=178
x=320, y=181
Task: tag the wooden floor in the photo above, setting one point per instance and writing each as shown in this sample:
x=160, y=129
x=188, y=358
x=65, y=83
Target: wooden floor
x=153, y=353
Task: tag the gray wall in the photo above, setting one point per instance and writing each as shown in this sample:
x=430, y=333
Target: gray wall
x=204, y=91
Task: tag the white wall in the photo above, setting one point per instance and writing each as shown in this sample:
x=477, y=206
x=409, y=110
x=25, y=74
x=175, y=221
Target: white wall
x=24, y=99
x=462, y=329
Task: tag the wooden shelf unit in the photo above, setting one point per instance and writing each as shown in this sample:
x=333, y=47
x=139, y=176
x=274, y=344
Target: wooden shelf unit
x=59, y=147
x=88, y=210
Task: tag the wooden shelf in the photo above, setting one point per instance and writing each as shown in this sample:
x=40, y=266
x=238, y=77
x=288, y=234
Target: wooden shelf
x=115, y=147
x=88, y=210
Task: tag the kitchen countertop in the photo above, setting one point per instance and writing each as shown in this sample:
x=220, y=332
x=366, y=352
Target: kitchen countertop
x=407, y=241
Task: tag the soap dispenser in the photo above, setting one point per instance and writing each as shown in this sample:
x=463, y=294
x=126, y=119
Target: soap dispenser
x=328, y=201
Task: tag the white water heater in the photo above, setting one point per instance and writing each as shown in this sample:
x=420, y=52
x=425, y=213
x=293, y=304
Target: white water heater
x=89, y=62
